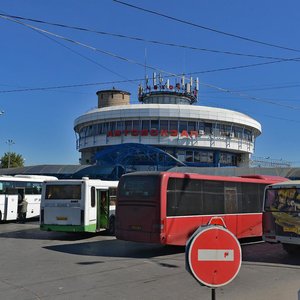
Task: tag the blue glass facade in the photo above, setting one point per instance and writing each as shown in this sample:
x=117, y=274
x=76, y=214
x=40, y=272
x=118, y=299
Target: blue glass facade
x=119, y=159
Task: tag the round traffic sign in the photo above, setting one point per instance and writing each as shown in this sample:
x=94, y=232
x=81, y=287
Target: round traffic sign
x=213, y=256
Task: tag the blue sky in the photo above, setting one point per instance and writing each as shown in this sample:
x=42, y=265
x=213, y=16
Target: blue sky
x=40, y=122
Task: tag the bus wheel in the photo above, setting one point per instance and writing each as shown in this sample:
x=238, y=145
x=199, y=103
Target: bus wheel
x=291, y=249
x=111, y=229
x=0, y=216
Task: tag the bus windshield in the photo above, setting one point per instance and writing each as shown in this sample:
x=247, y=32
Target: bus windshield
x=283, y=200
x=138, y=186
x=64, y=192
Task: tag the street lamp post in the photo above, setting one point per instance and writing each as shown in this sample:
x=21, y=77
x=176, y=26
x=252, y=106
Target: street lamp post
x=10, y=143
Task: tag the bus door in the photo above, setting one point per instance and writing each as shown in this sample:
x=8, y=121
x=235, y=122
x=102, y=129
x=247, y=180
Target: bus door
x=102, y=209
x=32, y=196
x=11, y=205
x=21, y=196
x=231, y=208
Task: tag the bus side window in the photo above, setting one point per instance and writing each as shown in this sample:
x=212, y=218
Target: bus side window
x=213, y=197
x=112, y=196
x=36, y=188
x=230, y=199
x=250, y=198
x=93, y=196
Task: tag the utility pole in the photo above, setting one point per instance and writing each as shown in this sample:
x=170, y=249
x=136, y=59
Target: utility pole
x=10, y=143
x=1, y=113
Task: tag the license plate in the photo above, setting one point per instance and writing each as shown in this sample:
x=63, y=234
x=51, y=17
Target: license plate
x=61, y=218
x=136, y=227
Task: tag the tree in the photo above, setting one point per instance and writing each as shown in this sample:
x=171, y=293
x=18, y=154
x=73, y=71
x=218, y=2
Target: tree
x=12, y=160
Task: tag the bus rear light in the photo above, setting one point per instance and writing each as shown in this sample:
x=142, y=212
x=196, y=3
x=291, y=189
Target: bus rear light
x=82, y=217
x=156, y=227
x=162, y=225
x=269, y=232
x=42, y=216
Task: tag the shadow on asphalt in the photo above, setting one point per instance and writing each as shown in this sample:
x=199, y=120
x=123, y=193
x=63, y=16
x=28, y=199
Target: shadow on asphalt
x=268, y=253
x=37, y=234
x=257, y=253
x=117, y=248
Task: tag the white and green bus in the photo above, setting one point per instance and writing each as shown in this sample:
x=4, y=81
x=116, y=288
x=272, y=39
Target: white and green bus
x=78, y=205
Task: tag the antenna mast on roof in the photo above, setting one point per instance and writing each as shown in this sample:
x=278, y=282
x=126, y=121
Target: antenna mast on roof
x=145, y=63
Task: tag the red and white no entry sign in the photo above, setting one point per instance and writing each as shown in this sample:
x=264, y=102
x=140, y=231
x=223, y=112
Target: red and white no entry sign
x=213, y=256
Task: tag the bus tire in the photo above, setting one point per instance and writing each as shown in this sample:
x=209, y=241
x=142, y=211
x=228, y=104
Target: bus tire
x=291, y=249
x=112, y=225
x=0, y=216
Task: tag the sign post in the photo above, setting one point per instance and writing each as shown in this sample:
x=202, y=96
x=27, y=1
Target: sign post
x=213, y=256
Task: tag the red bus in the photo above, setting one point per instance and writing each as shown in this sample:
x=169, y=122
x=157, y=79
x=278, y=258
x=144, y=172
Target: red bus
x=166, y=207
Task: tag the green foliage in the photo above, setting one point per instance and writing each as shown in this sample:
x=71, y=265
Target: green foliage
x=12, y=160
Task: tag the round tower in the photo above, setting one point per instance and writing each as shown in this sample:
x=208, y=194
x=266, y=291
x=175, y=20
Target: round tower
x=112, y=98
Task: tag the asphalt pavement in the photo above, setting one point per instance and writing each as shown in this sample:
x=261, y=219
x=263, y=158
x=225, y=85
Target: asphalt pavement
x=46, y=265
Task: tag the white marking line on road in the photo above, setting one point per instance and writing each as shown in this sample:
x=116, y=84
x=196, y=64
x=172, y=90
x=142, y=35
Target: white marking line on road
x=215, y=255
x=252, y=243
